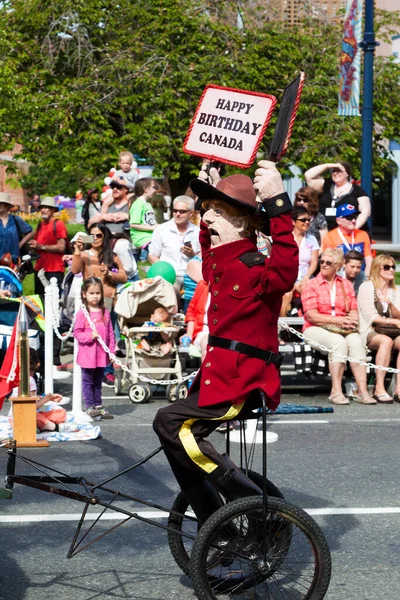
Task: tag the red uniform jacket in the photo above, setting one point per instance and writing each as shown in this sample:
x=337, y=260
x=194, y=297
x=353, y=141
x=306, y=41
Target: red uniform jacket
x=245, y=304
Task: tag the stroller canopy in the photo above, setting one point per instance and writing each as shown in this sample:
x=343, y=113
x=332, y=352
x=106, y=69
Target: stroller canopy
x=138, y=300
x=9, y=281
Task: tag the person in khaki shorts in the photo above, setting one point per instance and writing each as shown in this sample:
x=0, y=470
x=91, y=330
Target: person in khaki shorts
x=331, y=319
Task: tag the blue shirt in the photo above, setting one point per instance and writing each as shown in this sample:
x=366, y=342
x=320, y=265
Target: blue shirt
x=10, y=237
x=189, y=285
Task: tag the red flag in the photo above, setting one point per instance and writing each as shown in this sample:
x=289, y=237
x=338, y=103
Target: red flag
x=9, y=372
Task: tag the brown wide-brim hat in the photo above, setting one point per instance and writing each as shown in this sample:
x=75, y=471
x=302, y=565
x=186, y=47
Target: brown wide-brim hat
x=48, y=202
x=235, y=189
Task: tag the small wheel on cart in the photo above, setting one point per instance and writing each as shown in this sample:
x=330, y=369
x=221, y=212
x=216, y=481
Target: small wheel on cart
x=139, y=393
x=177, y=392
x=118, y=387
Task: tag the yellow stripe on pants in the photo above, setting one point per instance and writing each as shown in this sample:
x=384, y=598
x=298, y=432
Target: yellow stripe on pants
x=190, y=445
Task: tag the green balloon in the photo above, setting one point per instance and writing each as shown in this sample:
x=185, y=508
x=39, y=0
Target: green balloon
x=163, y=269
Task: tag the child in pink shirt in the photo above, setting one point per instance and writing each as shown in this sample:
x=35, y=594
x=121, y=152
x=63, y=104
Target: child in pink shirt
x=91, y=356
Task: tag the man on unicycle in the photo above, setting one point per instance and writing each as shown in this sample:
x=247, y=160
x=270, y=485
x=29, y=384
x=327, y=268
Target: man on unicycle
x=246, y=290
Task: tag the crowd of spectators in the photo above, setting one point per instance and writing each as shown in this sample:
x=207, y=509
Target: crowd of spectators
x=130, y=227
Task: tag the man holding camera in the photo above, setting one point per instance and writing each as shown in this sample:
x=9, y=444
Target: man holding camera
x=177, y=240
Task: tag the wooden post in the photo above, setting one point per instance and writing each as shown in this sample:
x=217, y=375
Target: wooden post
x=24, y=422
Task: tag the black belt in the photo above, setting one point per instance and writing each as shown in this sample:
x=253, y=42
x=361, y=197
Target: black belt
x=252, y=351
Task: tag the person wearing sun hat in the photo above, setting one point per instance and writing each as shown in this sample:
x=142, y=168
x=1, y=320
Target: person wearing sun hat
x=50, y=243
x=246, y=290
x=347, y=237
x=14, y=232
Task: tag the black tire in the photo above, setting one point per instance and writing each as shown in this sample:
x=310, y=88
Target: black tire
x=223, y=565
x=179, y=544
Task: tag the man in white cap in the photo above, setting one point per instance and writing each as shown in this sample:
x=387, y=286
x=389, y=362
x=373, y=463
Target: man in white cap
x=14, y=232
x=50, y=242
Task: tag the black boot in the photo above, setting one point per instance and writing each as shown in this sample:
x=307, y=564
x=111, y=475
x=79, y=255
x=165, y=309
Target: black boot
x=204, y=500
x=231, y=482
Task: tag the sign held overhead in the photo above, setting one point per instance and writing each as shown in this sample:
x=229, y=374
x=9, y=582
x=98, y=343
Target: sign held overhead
x=229, y=124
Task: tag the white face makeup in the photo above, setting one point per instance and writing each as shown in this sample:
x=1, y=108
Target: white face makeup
x=223, y=227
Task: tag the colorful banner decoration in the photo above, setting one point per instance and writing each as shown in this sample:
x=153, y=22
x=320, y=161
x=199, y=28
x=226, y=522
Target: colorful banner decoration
x=349, y=78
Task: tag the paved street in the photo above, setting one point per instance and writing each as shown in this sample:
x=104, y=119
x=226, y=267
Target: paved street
x=322, y=462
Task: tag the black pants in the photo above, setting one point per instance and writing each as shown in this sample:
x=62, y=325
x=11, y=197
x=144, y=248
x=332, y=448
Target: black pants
x=39, y=289
x=182, y=428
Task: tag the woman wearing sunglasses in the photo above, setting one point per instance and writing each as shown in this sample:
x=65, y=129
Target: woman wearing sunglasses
x=308, y=255
x=379, y=309
x=99, y=261
x=307, y=198
x=338, y=189
x=331, y=319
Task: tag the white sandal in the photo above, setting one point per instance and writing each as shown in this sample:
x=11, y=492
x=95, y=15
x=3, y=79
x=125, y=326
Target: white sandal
x=339, y=399
x=365, y=399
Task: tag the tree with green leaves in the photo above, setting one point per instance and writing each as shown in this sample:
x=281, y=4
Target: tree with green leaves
x=82, y=80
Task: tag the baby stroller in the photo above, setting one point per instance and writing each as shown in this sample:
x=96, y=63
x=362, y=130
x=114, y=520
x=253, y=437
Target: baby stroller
x=136, y=302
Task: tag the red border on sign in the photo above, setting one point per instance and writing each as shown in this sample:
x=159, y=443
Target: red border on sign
x=211, y=157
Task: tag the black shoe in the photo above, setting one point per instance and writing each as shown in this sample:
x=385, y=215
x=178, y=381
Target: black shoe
x=231, y=482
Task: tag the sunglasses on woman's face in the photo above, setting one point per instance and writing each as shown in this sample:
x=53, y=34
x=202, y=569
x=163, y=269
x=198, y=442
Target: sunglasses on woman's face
x=98, y=236
x=304, y=220
x=389, y=267
x=305, y=200
x=328, y=263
